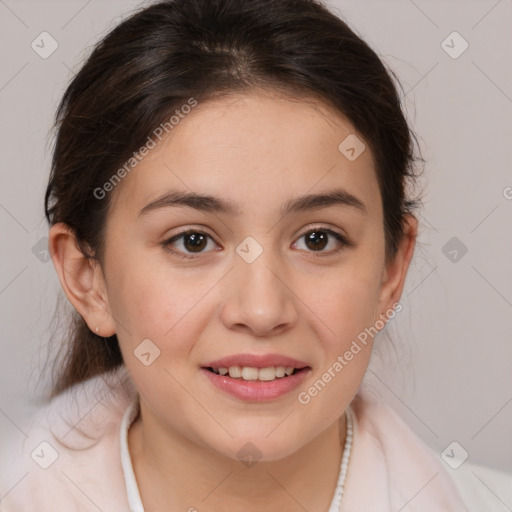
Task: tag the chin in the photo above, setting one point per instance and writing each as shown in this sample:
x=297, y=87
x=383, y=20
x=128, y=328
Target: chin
x=250, y=450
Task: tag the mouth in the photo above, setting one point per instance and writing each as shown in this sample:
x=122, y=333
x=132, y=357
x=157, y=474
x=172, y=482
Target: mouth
x=253, y=384
x=248, y=373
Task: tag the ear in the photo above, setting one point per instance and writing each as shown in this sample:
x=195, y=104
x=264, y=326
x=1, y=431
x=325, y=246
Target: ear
x=81, y=279
x=395, y=271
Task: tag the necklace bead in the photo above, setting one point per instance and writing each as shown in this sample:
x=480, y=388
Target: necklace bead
x=345, y=458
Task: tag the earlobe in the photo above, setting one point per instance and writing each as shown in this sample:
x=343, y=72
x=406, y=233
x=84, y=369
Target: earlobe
x=81, y=279
x=395, y=271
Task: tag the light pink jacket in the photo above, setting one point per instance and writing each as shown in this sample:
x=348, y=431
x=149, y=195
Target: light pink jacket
x=390, y=470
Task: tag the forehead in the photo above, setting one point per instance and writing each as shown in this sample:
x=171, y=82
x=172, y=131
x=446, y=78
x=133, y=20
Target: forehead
x=254, y=150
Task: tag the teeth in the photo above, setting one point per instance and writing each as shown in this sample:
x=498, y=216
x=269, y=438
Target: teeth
x=265, y=373
x=235, y=372
x=280, y=371
x=250, y=373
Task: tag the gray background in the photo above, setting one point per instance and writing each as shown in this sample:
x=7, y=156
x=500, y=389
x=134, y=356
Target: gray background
x=445, y=361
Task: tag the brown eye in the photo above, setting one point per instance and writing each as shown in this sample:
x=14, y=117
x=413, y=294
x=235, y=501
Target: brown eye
x=317, y=239
x=186, y=243
x=194, y=242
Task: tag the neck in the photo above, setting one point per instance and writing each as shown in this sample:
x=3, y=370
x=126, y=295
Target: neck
x=174, y=473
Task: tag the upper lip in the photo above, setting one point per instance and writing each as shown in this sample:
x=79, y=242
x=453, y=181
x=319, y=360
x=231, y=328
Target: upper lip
x=256, y=361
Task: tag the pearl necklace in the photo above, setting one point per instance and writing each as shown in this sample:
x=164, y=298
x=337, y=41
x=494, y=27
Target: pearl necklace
x=340, y=487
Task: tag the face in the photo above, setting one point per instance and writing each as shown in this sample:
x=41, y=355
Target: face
x=258, y=273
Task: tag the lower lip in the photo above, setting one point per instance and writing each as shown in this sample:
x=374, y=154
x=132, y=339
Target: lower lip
x=256, y=390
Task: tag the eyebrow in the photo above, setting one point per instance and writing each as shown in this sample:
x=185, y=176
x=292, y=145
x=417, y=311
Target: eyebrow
x=207, y=203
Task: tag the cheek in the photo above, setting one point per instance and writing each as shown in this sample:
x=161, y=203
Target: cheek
x=344, y=301
x=345, y=306
x=345, y=297
x=169, y=312
x=141, y=296
x=169, y=308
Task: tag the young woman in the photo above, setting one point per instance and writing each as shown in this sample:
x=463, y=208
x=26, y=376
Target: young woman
x=230, y=220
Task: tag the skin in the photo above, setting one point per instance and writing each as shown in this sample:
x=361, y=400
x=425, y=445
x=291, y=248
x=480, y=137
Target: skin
x=258, y=150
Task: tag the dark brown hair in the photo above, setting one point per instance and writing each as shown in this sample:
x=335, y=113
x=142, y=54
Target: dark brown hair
x=159, y=58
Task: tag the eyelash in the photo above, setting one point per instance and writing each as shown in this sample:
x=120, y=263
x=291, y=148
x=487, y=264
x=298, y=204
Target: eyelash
x=345, y=242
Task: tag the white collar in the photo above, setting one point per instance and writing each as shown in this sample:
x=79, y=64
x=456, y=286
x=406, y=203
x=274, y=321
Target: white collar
x=132, y=489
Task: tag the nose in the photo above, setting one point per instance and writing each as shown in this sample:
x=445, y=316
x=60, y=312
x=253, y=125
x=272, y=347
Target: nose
x=260, y=298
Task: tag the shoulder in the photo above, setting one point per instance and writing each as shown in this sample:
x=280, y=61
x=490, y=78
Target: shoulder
x=417, y=474
x=68, y=453
x=406, y=474
x=483, y=487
